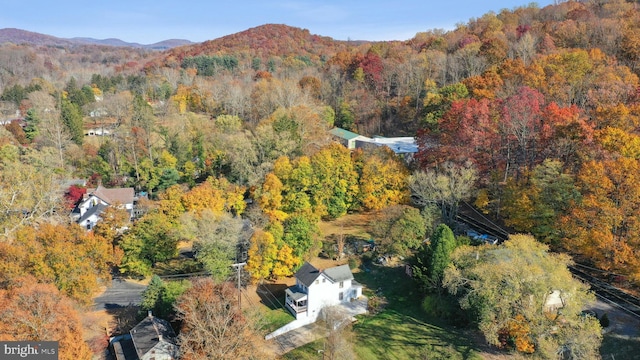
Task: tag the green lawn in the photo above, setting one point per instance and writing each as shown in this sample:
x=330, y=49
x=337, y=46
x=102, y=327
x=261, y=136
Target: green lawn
x=306, y=352
x=614, y=347
x=402, y=330
x=274, y=319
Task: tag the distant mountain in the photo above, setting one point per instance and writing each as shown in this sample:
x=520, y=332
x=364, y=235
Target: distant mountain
x=162, y=45
x=18, y=36
x=266, y=41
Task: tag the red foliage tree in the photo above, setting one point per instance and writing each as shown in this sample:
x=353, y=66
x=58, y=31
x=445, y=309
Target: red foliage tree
x=73, y=194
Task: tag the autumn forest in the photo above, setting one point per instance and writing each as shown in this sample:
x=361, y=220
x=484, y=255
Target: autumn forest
x=530, y=115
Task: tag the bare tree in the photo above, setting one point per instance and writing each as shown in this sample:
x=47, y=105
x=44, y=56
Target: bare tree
x=213, y=325
x=119, y=106
x=338, y=344
x=52, y=129
x=445, y=187
x=341, y=240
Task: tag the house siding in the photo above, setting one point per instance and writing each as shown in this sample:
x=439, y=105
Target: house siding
x=323, y=292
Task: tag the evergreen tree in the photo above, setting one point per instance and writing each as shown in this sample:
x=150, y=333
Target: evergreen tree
x=433, y=259
x=72, y=118
x=32, y=120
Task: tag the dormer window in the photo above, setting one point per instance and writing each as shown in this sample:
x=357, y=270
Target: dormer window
x=341, y=284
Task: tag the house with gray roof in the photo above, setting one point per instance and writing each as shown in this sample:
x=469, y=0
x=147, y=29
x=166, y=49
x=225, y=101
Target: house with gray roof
x=152, y=339
x=316, y=289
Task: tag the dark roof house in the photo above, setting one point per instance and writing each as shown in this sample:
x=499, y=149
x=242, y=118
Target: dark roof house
x=154, y=338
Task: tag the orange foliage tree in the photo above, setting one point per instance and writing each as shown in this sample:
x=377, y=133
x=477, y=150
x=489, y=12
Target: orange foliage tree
x=32, y=311
x=603, y=226
x=77, y=273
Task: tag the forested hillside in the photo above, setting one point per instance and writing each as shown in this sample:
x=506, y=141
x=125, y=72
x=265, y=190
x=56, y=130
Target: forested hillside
x=531, y=114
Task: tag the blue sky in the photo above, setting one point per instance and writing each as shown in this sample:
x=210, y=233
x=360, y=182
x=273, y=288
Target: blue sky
x=146, y=21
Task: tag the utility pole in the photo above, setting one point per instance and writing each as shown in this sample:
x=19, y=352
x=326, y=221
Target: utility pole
x=239, y=267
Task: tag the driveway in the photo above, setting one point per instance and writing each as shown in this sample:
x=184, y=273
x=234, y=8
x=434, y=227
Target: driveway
x=622, y=323
x=298, y=337
x=121, y=293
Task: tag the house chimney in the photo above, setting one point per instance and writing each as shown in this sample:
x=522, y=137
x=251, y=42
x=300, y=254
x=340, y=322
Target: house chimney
x=160, y=338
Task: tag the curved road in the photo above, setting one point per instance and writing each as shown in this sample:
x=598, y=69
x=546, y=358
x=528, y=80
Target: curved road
x=121, y=293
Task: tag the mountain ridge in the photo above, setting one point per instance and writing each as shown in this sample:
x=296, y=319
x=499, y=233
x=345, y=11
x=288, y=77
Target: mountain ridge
x=20, y=36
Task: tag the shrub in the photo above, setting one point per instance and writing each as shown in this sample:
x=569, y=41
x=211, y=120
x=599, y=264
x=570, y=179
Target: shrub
x=444, y=307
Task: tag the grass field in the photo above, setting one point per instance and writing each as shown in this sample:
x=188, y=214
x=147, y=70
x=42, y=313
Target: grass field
x=402, y=330
x=616, y=348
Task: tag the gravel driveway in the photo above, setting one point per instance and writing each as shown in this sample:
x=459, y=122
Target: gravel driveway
x=622, y=323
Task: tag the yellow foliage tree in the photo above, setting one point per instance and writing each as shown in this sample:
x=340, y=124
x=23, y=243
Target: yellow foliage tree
x=217, y=195
x=76, y=273
x=270, y=198
x=263, y=253
x=619, y=141
x=170, y=202
x=286, y=262
x=383, y=181
x=603, y=226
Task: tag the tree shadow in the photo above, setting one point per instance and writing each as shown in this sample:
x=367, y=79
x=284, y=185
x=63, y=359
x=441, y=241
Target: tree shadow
x=619, y=347
x=124, y=318
x=272, y=295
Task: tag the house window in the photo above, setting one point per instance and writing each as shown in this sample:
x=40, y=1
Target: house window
x=324, y=280
x=340, y=296
x=317, y=281
x=341, y=284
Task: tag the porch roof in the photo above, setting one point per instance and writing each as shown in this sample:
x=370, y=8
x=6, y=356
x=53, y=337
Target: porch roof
x=294, y=294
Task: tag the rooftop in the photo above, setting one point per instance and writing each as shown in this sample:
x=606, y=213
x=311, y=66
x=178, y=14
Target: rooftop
x=344, y=134
x=150, y=332
x=307, y=274
x=115, y=195
x=339, y=273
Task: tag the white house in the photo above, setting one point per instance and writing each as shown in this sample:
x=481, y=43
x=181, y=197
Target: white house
x=316, y=289
x=88, y=211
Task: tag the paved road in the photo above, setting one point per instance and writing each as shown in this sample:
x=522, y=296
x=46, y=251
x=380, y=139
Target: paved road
x=120, y=294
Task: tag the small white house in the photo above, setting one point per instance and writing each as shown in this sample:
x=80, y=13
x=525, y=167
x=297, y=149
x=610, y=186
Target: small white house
x=87, y=213
x=316, y=289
